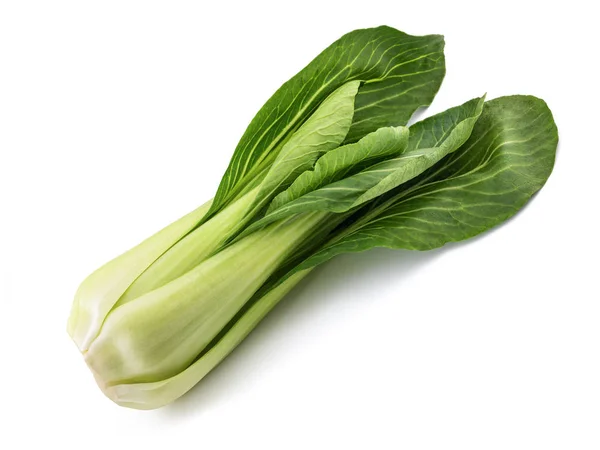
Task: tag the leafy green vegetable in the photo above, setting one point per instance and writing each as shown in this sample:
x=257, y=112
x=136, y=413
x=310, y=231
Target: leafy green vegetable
x=326, y=167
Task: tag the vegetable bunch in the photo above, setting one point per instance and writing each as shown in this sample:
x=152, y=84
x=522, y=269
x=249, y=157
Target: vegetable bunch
x=327, y=166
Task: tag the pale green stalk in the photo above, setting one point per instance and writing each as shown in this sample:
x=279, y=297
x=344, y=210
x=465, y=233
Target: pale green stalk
x=162, y=258
x=160, y=393
x=159, y=334
x=100, y=291
x=190, y=251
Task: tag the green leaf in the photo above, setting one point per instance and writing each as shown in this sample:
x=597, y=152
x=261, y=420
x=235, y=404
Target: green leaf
x=400, y=73
x=508, y=158
x=450, y=128
x=433, y=139
x=324, y=130
x=344, y=161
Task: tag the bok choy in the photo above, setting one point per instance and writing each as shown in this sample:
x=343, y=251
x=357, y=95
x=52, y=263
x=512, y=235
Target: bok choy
x=327, y=166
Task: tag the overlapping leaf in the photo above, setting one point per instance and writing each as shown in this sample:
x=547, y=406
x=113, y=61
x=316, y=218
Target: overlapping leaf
x=427, y=146
x=508, y=158
x=344, y=161
x=400, y=73
x=324, y=130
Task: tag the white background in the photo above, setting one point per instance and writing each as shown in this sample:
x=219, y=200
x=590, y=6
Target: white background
x=118, y=117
